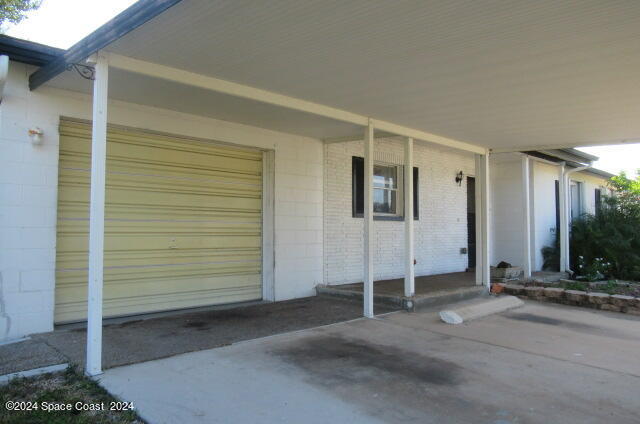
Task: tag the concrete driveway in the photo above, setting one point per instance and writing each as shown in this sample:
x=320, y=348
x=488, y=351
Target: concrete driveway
x=540, y=363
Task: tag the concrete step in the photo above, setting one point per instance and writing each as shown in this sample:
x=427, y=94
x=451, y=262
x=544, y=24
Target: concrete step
x=414, y=303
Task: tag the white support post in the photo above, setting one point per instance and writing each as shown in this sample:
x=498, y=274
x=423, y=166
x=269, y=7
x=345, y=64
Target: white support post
x=478, y=207
x=526, y=214
x=562, y=197
x=483, y=184
x=368, y=222
x=96, y=216
x=409, y=271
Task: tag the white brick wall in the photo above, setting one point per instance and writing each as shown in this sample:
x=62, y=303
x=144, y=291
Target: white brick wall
x=28, y=190
x=439, y=234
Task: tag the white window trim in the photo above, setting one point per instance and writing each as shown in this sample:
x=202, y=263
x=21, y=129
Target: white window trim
x=399, y=190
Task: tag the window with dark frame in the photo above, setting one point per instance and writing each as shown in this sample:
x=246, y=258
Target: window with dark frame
x=388, y=188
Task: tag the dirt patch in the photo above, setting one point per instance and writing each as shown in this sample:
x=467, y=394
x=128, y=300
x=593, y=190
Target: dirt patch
x=333, y=360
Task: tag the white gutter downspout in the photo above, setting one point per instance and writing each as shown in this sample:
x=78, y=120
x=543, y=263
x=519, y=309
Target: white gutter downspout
x=4, y=70
x=566, y=266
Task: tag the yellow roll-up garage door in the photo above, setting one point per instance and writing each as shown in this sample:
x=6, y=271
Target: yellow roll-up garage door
x=182, y=223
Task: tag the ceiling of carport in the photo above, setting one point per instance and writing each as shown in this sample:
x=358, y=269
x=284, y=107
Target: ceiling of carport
x=500, y=74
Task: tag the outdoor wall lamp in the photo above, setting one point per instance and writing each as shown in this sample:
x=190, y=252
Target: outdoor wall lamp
x=35, y=134
x=459, y=177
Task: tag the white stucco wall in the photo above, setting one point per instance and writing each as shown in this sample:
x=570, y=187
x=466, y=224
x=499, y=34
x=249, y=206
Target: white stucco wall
x=28, y=191
x=439, y=233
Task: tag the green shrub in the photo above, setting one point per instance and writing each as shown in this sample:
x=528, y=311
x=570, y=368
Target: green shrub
x=608, y=243
x=551, y=255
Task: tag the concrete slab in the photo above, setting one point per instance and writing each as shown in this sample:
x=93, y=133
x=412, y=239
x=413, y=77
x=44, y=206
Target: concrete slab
x=596, y=338
x=398, y=368
x=145, y=339
x=27, y=355
x=431, y=290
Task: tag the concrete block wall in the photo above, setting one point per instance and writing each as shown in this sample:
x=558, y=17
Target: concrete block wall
x=439, y=233
x=28, y=194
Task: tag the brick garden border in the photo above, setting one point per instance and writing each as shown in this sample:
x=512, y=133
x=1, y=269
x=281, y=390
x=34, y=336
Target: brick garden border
x=594, y=300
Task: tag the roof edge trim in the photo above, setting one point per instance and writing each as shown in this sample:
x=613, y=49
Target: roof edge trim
x=131, y=18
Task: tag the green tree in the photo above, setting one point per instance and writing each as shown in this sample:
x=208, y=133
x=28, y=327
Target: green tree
x=13, y=11
x=627, y=191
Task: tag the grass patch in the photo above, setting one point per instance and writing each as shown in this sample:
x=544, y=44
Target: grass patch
x=65, y=387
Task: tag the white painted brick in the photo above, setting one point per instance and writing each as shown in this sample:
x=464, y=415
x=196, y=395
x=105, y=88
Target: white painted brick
x=36, y=280
x=22, y=302
x=35, y=322
x=439, y=234
x=10, y=238
x=10, y=280
x=37, y=237
x=10, y=194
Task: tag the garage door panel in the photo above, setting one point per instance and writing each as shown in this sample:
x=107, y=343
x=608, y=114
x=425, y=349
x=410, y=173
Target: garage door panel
x=131, y=242
x=181, y=217
x=241, y=290
x=128, y=259
x=171, y=156
x=213, y=200
x=78, y=170
x=178, y=278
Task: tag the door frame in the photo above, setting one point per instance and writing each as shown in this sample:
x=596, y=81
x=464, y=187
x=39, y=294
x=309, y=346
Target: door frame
x=268, y=224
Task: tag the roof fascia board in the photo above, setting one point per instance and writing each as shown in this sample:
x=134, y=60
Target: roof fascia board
x=599, y=172
x=581, y=154
x=562, y=146
x=565, y=156
x=27, y=51
x=239, y=90
x=131, y=18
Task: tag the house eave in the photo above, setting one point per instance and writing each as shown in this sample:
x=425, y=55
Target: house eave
x=136, y=15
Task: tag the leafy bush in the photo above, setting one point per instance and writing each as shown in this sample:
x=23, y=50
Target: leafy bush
x=595, y=270
x=551, y=255
x=607, y=244
x=612, y=236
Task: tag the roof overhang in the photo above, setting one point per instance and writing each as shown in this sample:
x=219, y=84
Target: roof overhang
x=522, y=76
x=27, y=51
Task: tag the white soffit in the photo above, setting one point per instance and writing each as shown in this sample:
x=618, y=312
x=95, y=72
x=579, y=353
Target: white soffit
x=501, y=74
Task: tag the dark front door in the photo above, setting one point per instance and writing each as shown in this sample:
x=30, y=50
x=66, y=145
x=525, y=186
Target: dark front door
x=471, y=221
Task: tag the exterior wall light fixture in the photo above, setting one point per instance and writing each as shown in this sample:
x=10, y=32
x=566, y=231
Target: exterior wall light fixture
x=459, y=178
x=35, y=134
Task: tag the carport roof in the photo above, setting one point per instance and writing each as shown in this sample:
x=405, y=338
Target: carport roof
x=516, y=75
